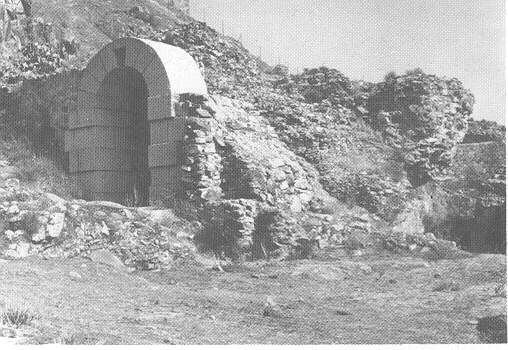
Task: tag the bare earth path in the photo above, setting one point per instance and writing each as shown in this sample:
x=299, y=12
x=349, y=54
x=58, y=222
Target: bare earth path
x=341, y=300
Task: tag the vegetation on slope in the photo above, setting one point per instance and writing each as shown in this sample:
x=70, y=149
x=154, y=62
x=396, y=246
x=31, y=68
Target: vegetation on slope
x=37, y=172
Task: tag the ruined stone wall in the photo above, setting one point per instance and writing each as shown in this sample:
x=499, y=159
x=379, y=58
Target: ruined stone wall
x=201, y=163
x=259, y=176
x=233, y=167
x=258, y=165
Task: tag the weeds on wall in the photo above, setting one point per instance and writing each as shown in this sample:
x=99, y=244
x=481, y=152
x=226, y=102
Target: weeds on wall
x=37, y=171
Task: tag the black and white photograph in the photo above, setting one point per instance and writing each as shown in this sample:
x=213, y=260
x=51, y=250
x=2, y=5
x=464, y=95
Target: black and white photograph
x=253, y=172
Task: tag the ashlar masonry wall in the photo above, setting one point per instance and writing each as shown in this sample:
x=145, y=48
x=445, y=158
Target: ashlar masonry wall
x=125, y=140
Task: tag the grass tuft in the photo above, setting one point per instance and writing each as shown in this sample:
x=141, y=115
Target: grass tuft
x=34, y=170
x=16, y=316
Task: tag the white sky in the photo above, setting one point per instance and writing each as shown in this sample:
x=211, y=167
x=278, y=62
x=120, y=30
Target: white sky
x=365, y=39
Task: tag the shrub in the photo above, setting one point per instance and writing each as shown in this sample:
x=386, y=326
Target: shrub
x=415, y=71
x=17, y=316
x=390, y=77
x=36, y=170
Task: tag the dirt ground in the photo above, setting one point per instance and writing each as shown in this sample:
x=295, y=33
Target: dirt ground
x=369, y=299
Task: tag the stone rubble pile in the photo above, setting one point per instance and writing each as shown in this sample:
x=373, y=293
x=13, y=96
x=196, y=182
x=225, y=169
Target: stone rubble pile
x=34, y=223
x=319, y=84
x=427, y=246
x=224, y=60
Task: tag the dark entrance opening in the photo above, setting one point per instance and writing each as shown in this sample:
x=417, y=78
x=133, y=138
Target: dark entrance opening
x=124, y=96
x=485, y=232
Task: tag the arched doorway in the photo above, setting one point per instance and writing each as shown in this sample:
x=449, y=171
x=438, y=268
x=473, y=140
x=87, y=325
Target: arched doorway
x=124, y=94
x=123, y=140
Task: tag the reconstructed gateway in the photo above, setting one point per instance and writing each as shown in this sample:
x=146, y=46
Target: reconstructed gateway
x=124, y=139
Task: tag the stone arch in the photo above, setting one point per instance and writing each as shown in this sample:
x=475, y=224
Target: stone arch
x=124, y=139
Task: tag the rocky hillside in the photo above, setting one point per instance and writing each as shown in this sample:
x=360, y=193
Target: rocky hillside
x=376, y=188
x=385, y=150
x=89, y=24
x=63, y=35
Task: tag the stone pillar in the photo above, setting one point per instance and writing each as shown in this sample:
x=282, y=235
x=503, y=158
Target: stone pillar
x=201, y=169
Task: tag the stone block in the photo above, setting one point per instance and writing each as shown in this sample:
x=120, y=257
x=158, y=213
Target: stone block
x=306, y=196
x=296, y=205
x=88, y=82
x=276, y=162
x=105, y=257
x=89, y=159
x=164, y=154
x=103, y=99
x=200, y=124
x=183, y=109
x=159, y=107
x=167, y=177
x=88, y=100
x=210, y=194
x=87, y=117
x=203, y=113
x=201, y=140
x=108, y=58
x=166, y=130
x=105, y=137
x=194, y=150
x=157, y=82
x=97, y=68
x=137, y=57
x=279, y=175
